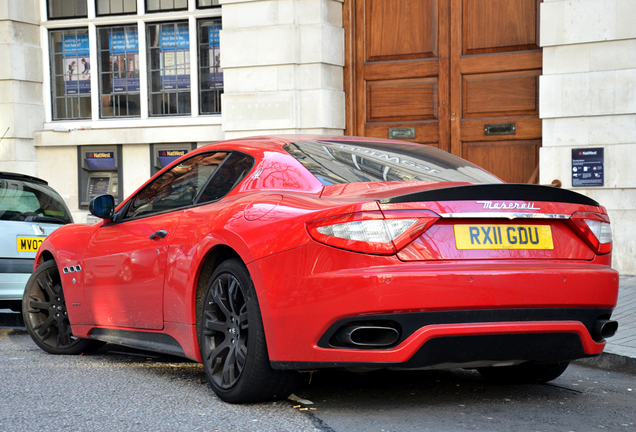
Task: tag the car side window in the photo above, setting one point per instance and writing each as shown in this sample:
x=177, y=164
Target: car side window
x=233, y=170
x=177, y=187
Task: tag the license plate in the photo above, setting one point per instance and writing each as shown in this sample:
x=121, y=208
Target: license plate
x=503, y=237
x=29, y=244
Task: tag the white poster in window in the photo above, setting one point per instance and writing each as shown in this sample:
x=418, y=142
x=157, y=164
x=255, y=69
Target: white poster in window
x=180, y=62
x=168, y=59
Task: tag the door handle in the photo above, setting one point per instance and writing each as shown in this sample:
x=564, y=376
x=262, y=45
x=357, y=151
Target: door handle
x=158, y=234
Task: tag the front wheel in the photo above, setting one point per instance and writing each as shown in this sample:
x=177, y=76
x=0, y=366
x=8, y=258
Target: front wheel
x=45, y=315
x=524, y=373
x=232, y=340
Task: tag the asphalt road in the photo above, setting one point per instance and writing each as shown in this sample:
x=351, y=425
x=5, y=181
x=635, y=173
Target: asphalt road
x=583, y=399
x=122, y=389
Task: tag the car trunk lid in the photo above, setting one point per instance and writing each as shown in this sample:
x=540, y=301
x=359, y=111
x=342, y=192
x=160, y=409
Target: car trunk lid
x=500, y=221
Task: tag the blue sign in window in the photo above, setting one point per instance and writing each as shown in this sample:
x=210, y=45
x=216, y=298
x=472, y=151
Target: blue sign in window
x=101, y=160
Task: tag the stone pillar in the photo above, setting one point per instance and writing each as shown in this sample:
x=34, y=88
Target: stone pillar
x=21, y=106
x=588, y=100
x=283, y=66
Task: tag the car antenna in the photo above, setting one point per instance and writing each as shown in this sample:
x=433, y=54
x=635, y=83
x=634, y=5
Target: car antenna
x=5, y=132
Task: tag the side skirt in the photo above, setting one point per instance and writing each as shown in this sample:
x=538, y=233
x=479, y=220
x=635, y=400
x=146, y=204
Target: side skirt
x=157, y=342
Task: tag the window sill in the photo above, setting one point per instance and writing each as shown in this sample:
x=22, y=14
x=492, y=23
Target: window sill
x=128, y=122
x=131, y=132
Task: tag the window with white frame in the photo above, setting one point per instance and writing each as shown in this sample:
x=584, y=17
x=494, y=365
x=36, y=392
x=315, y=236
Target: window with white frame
x=115, y=7
x=210, y=72
x=166, y=5
x=70, y=74
x=60, y=9
x=207, y=3
x=169, y=67
x=119, y=71
x=133, y=83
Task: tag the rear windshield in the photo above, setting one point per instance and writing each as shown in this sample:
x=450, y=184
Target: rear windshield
x=21, y=200
x=336, y=162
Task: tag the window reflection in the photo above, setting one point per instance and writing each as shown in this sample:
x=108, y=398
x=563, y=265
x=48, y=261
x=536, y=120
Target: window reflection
x=177, y=187
x=352, y=162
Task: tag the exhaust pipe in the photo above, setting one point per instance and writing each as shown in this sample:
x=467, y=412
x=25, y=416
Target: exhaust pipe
x=367, y=336
x=604, y=329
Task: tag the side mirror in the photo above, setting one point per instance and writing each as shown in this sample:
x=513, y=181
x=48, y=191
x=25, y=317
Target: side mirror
x=102, y=206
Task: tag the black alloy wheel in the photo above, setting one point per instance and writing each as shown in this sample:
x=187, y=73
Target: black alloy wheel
x=232, y=340
x=45, y=314
x=227, y=323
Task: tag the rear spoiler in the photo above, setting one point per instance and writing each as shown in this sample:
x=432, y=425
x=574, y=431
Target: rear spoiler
x=504, y=191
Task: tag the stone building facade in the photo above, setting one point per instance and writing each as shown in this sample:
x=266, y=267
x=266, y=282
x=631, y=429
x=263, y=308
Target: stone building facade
x=588, y=100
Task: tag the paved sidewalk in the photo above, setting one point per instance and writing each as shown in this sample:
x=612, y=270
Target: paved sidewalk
x=620, y=351
x=624, y=343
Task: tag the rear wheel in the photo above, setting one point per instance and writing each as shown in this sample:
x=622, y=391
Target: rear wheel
x=524, y=373
x=232, y=341
x=45, y=315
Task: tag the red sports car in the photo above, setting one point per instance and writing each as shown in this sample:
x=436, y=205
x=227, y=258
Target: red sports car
x=262, y=257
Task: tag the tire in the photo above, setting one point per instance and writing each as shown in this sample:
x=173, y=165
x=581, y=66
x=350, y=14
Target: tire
x=45, y=315
x=232, y=341
x=524, y=373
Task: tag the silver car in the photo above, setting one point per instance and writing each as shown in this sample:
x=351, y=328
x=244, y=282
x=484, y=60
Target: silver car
x=30, y=210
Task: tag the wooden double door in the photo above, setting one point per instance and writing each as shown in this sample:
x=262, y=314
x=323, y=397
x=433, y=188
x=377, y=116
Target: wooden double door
x=461, y=75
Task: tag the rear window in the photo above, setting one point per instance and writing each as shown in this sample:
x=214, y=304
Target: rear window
x=337, y=162
x=21, y=200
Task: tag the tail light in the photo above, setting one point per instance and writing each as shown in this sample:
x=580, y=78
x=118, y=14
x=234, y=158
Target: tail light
x=379, y=233
x=595, y=229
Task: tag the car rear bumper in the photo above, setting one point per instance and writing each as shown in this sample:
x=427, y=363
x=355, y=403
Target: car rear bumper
x=12, y=285
x=459, y=345
x=14, y=274
x=322, y=286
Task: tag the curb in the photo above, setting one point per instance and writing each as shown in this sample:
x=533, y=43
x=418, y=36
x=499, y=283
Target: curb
x=610, y=362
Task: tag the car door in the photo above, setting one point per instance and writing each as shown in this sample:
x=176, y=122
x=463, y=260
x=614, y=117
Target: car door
x=124, y=262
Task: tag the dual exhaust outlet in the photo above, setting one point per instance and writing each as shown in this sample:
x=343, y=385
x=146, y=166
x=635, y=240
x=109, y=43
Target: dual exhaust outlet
x=368, y=336
x=379, y=336
x=604, y=329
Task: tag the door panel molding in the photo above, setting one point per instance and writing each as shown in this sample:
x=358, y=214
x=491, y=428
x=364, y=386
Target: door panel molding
x=517, y=22
x=400, y=29
x=514, y=160
x=395, y=100
x=500, y=94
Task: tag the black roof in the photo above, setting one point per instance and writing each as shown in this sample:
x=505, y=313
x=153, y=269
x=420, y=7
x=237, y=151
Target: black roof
x=24, y=177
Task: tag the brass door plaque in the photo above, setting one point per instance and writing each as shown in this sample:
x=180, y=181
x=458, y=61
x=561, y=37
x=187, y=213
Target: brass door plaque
x=500, y=129
x=402, y=133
